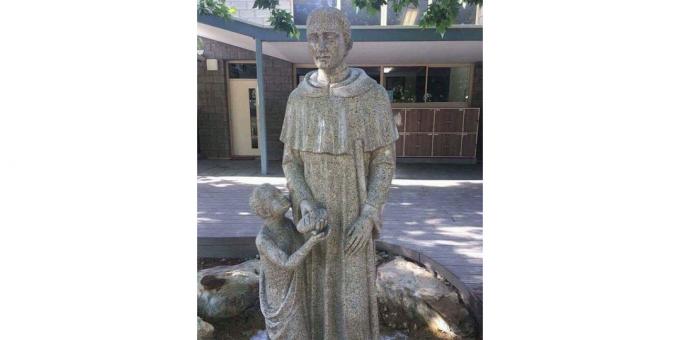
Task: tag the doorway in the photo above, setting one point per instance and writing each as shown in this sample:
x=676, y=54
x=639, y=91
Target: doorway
x=243, y=99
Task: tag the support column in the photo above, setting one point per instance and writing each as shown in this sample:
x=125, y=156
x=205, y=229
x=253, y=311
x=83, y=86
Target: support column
x=261, y=121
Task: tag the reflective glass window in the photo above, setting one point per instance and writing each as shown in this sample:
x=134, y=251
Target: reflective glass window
x=358, y=18
x=448, y=84
x=242, y=71
x=405, y=84
x=408, y=16
x=466, y=15
x=373, y=72
x=301, y=72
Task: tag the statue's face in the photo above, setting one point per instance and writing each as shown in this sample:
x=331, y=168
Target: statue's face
x=326, y=44
x=279, y=203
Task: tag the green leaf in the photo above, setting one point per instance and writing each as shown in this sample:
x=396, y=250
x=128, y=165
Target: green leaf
x=440, y=15
x=215, y=7
x=371, y=6
x=399, y=5
x=282, y=20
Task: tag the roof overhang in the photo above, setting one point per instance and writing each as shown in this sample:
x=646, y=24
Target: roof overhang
x=372, y=44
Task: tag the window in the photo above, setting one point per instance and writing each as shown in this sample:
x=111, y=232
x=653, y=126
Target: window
x=416, y=84
x=302, y=8
x=373, y=72
x=409, y=16
x=466, y=15
x=252, y=102
x=242, y=71
x=301, y=72
x=448, y=84
x=360, y=18
x=405, y=84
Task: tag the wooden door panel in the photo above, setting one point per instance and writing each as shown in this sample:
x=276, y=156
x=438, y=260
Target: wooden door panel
x=469, y=145
x=418, y=145
x=449, y=120
x=411, y=120
x=399, y=147
x=243, y=117
x=419, y=120
x=426, y=120
x=447, y=145
x=471, y=120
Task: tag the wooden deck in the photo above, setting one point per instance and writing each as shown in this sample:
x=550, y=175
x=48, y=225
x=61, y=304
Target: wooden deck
x=441, y=218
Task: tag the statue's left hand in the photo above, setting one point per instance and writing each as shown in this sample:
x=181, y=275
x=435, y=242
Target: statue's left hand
x=360, y=232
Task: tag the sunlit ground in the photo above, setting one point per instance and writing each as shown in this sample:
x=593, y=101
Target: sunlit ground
x=440, y=218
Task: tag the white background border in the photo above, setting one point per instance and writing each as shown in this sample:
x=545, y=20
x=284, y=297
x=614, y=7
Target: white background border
x=98, y=174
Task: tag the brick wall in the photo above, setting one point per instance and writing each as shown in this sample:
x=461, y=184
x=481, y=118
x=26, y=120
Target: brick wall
x=213, y=116
x=213, y=126
x=278, y=84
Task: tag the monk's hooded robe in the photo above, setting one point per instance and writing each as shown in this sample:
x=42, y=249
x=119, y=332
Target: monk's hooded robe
x=320, y=129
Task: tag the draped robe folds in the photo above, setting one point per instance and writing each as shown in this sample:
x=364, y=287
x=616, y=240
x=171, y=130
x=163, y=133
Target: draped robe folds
x=320, y=128
x=282, y=288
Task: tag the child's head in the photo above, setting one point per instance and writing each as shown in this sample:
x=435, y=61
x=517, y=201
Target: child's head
x=268, y=201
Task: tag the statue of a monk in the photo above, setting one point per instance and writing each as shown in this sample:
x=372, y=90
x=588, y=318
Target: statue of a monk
x=339, y=135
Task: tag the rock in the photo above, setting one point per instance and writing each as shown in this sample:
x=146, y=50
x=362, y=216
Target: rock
x=205, y=330
x=412, y=295
x=227, y=291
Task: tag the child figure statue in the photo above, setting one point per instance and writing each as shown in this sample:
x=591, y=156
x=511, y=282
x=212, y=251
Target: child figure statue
x=282, y=251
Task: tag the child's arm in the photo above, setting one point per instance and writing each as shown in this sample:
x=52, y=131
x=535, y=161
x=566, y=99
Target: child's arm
x=268, y=249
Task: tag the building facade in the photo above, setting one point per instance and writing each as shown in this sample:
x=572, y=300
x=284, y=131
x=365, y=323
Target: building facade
x=434, y=81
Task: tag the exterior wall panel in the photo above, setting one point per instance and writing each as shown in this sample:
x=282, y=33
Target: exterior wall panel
x=471, y=120
x=438, y=132
x=419, y=120
x=418, y=145
x=449, y=120
x=469, y=146
x=400, y=145
x=446, y=145
x=213, y=124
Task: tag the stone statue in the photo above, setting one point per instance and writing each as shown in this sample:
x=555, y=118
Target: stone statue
x=339, y=159
x=282, y=278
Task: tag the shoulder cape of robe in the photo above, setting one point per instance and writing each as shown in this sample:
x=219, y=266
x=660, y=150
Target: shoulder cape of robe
x=328, y=119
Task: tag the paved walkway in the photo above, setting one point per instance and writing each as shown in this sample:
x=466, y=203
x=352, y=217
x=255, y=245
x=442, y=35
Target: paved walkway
x=433, y=208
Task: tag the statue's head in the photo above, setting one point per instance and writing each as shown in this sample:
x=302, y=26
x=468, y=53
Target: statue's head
x=267, y=201
x=328, y=36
